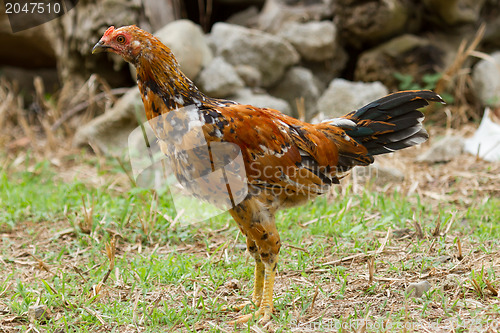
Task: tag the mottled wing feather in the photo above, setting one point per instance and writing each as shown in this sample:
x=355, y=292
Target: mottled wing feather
x=272, y=147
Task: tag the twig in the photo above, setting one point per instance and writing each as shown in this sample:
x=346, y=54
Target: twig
x=155, y=304
x=463, y=53
x=316, y=291
x=437, y=229
x=297, y=248
x=452, y=219
x=477, y=287
x=362, y=329
x=42, y=264
x=341, y=260
x=490, y=287
x=371, y=259
x=384, y=242
x=217, y=327
x=459, y=246
x=65, y=302
x=371, y=269
x=256, y=329
x=418, y=229
x=318, y=219
x=83, y=105
x=95, y=314
x=79, y=272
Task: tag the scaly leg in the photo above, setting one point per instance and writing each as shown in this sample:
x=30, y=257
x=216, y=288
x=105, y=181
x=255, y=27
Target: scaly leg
x=258, y=279
x=263, y=242
x=266, y=305
x=259, y=276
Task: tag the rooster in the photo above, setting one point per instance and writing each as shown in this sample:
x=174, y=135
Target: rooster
x=287, y=162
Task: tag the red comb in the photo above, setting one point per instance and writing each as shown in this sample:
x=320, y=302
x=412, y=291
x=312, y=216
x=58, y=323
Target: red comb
x=109, y=31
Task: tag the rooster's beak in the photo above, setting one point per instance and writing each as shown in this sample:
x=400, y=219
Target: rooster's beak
x=100, y=47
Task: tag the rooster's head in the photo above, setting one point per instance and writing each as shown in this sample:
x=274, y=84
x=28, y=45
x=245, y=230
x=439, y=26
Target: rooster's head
x=129, y=42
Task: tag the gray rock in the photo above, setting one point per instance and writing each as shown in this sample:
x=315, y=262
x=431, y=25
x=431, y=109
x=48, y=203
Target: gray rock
x=271, y=55
x=219, y=79
x=327, y=70
x=418, y=289
x=443, y=259
x=299, y=82
x=276, y=13
x=159, y=13
x=187, y=42
x=40, y=313
x=380, y=175
x=451, y=281
x=315, y=41
x=263, y=100
x=250, y=75
x=444, y=150
x=406, y=54
x=343, y=96
x=448, y=44
x=233, y=284
x=486, y=78
x=247, y=17
x=455, y=12
x=373, y=21
x=109, y=132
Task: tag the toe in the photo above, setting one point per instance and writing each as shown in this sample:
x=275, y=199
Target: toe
x=238, y=307
x=266, y=315
x=256, y=300
x=263, y=313
x=242, y=319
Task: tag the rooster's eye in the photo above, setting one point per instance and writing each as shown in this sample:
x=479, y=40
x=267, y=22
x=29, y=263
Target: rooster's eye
x=120, y=39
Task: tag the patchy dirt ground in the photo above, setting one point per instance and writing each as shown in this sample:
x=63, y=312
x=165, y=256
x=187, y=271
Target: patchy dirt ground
x=450, y=258
x=383, y=290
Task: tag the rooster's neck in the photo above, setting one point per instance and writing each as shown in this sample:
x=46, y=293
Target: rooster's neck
x=160, y=74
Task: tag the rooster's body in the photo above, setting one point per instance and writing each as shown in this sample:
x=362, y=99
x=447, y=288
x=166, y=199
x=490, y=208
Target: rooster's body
x=286, y=161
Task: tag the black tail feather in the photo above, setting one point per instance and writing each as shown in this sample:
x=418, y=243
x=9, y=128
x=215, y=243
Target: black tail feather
x=392, y=122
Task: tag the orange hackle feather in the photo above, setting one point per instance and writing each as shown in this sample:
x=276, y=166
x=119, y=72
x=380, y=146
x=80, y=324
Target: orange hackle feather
x=287, y=161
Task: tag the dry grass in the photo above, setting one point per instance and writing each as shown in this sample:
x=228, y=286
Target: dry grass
x=47, y=126
x=332, y=288
x=334, y=285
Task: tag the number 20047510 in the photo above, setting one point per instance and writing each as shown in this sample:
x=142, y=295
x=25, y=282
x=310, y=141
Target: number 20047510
x=32, y=7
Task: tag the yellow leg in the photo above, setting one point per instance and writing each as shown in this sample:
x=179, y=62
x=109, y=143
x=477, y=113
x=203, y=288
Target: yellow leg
x=257, y=289
x=266, y=305
x=258, y=282
x=263, y=242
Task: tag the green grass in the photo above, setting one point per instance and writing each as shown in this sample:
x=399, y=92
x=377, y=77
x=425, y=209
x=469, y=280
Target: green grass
x=177, y=277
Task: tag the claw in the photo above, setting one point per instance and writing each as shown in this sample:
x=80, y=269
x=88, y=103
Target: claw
x=238, y=307
x=265, y=313
x=264, y=299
